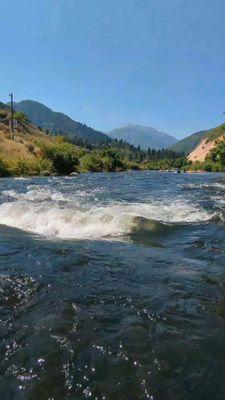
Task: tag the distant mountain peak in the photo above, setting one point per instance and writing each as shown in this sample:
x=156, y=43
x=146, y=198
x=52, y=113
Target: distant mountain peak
x=144, y=136
x=33, y=103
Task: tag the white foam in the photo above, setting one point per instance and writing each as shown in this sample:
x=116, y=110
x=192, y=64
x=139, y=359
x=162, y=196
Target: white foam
x=35, y=193
x=21, y=178
x=12, y=194
x=211, y=185
x=94, y=222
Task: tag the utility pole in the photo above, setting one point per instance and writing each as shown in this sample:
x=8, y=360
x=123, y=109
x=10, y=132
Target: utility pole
x=12, y=116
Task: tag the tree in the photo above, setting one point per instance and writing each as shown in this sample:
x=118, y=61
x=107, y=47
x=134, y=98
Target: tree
x=63, y=156
x=91, y=163
x=21, y=117
x=218, y=153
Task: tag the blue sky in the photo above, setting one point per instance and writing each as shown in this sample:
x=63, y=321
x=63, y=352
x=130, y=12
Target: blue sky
x=159, y=63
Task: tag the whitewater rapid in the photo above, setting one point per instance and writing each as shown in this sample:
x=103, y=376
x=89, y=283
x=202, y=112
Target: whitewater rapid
x=112, y=277
x=79, y=214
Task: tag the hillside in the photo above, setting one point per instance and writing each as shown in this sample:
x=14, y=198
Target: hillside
x=59, y=123
x=27, y=137
x=189, y=143
x=33, y=152
x=211, y=138
x=143, y=136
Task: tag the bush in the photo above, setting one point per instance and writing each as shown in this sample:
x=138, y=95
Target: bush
x=21, y=117
x=179, y=162
x=62, y=154
x=208, y=167
x=44, y=165
x=134, y=166
x=28, y=167
x=111, y=160
x=24, y=167
x=3, y=114
x=3, y=169
x=30, y=148
x=108, y=164
x=63, y=163
x=197, y=165
x=91, y=163
x=218, y=153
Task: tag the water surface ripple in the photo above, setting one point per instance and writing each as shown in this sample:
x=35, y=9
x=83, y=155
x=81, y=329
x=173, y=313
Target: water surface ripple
x=112, y=286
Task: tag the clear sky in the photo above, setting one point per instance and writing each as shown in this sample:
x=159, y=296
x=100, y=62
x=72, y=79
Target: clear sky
x=159, y=63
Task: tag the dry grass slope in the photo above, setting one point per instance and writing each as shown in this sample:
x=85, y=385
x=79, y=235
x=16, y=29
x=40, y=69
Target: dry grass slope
x=202, y=150
x=23, y=155
x=25, y=147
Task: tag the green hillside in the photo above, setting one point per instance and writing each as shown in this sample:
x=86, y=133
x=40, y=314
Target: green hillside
x=33, y=152
x=59, y=123
x=214, y=133
x=188, y=144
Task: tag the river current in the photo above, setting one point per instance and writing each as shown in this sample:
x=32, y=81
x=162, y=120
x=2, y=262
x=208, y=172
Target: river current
x=112, y=287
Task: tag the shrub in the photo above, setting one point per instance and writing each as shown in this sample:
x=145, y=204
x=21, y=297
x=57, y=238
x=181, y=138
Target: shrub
x=44, y=165
x=21, y=116
x=197, y=165
x=30, y=148
x=111, y=160
x=108, y=164
x=3, y=114
x=24, y=167
x=208, y=168
x=63, y=163
x=63, y=155
x=134, y=166
x=3, y=169
x=218, y=153
x=91, y=163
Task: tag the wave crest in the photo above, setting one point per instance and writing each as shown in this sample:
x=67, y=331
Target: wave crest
x=115, y=220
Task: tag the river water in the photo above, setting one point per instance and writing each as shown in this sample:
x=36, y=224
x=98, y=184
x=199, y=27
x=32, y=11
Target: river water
x=112, y=287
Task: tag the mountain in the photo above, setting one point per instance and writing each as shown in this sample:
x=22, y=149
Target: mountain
x=59, y=123
x=143, y=136
x=189, y=143
x=32, y=151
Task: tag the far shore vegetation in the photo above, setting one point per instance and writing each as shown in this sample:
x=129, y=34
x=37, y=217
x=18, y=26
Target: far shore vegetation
x=39, y=152
x=60, y=156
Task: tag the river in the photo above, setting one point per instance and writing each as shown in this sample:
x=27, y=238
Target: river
x=112, y=287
